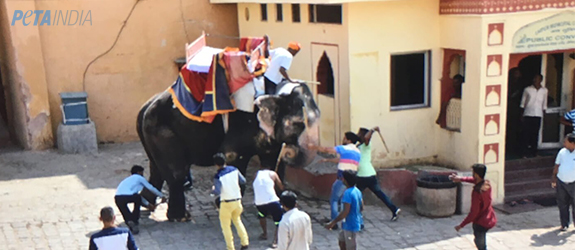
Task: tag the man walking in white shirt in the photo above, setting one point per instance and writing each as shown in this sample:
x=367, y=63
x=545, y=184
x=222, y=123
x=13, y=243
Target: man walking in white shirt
x=294, y=231
x=563, y=179
x=534, y=104
x=227, y=185
x=266, y=200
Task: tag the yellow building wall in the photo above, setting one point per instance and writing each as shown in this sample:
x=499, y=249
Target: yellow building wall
x=460, y=149
x=512, y=23
x=303, y=66
x=376, y=31
x=24, y=78
x=140, y=64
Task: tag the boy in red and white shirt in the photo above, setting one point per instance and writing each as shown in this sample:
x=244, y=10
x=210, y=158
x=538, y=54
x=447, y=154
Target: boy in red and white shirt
x=481, y=214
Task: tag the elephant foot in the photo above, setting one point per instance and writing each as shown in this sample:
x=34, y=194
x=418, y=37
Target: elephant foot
x=187, y=217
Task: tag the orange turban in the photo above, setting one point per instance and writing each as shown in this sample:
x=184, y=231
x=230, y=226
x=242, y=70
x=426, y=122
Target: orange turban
x=294, y=46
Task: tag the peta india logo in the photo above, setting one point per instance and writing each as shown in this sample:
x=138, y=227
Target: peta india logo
x=52, y=17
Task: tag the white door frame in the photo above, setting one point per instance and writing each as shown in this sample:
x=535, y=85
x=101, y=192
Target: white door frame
x=332, y=51
x=565, y=89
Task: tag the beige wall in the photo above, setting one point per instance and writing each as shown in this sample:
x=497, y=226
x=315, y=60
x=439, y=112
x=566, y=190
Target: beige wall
x=140, y=65
x=281, y=33
x=374, y=35
x=24, y=78
x=513, y=22
x=460, y=149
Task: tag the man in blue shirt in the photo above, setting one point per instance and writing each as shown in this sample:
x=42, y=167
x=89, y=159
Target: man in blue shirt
x=352, y=207
x=568, y=120
x=347, y=157
x=129, y=192
x=111, y=237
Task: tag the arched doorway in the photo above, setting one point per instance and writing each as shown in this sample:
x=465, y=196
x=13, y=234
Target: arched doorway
x=325, y=71
x=523, y=68
x=324, y=75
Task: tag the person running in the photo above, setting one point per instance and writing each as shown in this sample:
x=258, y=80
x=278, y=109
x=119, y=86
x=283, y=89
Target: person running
x=266, y=200
x=129, y=192
x=481, y=214
x=294, y=231
x=348, y=157
x=227, y=185
x=352, y=208
x=563, y=179
x=366, y=175
x=111, y=237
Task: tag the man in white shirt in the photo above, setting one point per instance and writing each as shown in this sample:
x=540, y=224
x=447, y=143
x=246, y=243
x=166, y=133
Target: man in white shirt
x=227, y=185
x=129, y=192
x=534, y=104
x=294, y=231
x=280, y=60
x=266, y=200
x=563, y=179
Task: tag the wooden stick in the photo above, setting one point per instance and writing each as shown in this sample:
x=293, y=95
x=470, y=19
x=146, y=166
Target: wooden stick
x=382, y=140
x=304, y=109
x=280, y=156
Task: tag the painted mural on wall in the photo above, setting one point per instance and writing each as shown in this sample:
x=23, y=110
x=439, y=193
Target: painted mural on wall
x=491, y=153
x=553, y=33
x=494, y=63
x=493, y=95
x=459, y=7
x=495, y=34
x=491, y=124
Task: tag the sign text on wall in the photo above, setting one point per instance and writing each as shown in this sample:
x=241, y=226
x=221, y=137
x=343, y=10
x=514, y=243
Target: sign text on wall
x=553, y=33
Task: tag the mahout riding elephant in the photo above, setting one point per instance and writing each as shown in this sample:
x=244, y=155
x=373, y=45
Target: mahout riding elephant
x=173, y=142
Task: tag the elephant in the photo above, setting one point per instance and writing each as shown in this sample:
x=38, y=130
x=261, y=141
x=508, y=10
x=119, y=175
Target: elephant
x=173, y=143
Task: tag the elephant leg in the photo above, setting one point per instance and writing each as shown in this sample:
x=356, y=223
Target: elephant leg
x=173, y=165
x=177, y=202
x=156, y=180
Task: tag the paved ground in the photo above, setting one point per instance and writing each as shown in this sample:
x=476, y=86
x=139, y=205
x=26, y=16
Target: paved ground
x=51, y=201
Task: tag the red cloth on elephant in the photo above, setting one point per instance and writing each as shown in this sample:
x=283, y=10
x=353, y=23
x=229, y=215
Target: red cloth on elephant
x=236, y=66
x=200, y=97
x=195, y=81
x=248, y=44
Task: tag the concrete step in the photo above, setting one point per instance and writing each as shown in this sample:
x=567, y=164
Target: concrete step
x=527, y=187
x=534, y=194
x=528, y=175
x=530, y=163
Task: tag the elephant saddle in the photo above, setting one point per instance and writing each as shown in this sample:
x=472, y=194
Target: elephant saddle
x=200, y=96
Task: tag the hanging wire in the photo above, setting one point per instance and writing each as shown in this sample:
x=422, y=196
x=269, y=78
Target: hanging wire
x=223, y=36
x=184, y=21
x=111, y=47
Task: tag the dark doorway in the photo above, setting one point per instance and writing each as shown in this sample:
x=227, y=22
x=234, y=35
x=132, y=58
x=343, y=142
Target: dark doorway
x=4, y=131
x=325, y=76
x=519, y=78
x=529, y=67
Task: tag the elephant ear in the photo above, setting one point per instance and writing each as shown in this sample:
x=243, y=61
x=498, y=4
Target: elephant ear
x=268, y=111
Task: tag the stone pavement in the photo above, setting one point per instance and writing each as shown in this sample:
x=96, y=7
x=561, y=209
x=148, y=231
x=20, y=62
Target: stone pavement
x=51, y=201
